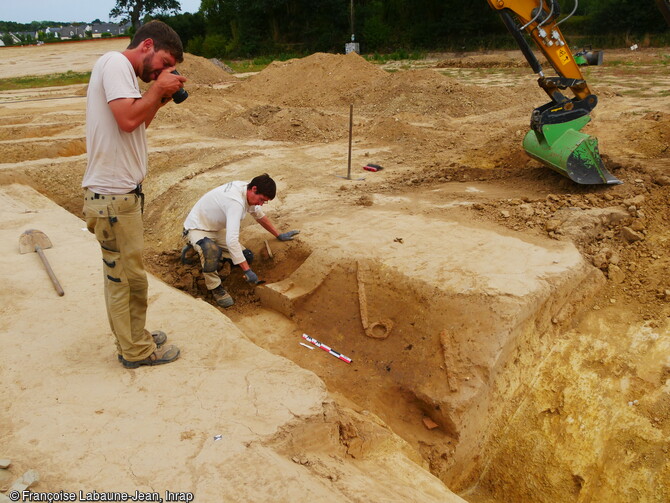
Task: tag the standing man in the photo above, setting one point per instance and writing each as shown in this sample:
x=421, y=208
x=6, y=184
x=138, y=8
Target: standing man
x=117, y=116
x=213, y=229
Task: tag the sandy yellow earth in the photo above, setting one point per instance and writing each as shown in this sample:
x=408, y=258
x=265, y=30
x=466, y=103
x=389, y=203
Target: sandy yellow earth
x=521, y=348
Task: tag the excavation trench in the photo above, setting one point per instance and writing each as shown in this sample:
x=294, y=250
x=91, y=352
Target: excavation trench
x=444, y=370
x=466, y=356
x=525, y=409
x=455, y=335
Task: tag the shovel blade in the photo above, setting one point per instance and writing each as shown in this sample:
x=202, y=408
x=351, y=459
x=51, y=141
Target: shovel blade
x=31, y=239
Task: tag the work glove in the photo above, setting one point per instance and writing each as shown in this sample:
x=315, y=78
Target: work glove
x=287, y=236
x=251, y=276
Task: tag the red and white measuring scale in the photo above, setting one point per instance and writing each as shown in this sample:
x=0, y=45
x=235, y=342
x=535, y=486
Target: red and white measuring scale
x=326, y=348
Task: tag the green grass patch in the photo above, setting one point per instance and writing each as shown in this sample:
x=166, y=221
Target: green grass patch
x=620, y=63
x=31, y=81
x=394, y=56
x=259, y=63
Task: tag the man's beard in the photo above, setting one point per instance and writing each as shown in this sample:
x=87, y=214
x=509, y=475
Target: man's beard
x=147, y=69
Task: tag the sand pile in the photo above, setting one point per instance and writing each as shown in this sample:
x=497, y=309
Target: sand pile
x=308, y=100
x=200, y=70
x=592, y=427
x=330, y=79
x=429, y=92
x=651, y=135
x=269, y=122
x=515, y=60
x=317, y=80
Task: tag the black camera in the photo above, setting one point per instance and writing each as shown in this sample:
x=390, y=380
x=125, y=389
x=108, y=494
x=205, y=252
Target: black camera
x=180, y=95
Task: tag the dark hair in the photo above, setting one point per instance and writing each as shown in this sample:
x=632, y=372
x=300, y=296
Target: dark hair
x=265, y=186
x=164, y=37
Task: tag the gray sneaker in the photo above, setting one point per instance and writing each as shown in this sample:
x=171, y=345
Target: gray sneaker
x=222, y=297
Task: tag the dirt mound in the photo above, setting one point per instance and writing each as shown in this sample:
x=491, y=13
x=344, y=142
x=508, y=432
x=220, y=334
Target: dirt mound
x=485, y=61
x=640, y=56
x=515, y=59
x=402, y=106
x=452, y=151
x=429, y=92
x=269, y=122
x=319, y=79
x=201, y=74
x=200, y=70
x=653, y=135
x=334, y=79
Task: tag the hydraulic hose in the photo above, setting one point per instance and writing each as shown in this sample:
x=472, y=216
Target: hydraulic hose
x=551, y=13
x=539, y=11
x=521, y=41
x=569, y=15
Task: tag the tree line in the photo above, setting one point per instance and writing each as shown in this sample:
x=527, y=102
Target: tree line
x=249, y=28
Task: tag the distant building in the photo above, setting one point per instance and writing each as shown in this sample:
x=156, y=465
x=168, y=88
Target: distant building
x=69, y=32
x=55, y=31
x=25, y=36
x=14, y=39
x=72, y=31
x=113, y=29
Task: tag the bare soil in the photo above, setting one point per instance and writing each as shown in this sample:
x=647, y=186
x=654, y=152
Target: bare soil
x=590, y=420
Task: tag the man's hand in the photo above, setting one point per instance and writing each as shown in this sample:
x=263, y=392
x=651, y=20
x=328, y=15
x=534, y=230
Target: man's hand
x=287, y=236
x=129, y=113
x=251, y=276
x=169, y=83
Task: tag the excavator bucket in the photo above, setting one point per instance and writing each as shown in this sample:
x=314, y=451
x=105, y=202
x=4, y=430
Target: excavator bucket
x=588, y=58
x=565, y=149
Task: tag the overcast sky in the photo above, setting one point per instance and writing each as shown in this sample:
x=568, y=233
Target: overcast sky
x=25, y=11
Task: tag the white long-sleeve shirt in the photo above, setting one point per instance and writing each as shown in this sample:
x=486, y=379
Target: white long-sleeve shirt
x=224, y=207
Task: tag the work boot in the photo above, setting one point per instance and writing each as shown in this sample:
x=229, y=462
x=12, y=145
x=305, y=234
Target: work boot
x=158, y=336
x=164, y=354
x=222, y=297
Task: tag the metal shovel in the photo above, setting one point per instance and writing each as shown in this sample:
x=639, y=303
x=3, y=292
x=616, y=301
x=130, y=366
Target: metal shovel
x=33, y=240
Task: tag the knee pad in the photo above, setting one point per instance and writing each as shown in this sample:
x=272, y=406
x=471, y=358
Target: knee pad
x=248, y=255
x=211, y=254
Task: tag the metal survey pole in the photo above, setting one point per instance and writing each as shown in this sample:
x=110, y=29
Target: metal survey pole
x=352, y=46
x=351, y=127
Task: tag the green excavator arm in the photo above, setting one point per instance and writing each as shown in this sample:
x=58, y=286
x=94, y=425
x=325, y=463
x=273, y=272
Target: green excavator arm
x=555, y=138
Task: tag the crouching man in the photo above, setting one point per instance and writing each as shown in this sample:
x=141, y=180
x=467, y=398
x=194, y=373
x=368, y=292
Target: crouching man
x=212, y=228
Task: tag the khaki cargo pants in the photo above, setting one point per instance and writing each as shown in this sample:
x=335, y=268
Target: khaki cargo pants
x=116, y=221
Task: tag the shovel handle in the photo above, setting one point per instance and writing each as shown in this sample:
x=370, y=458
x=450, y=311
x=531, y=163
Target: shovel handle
x=54, y=280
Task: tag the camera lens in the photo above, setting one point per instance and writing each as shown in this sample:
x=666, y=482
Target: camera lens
x=180, y=95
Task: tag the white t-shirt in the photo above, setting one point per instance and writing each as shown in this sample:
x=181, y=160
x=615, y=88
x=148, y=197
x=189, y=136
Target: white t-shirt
x=224, y=207
x=117, y=161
